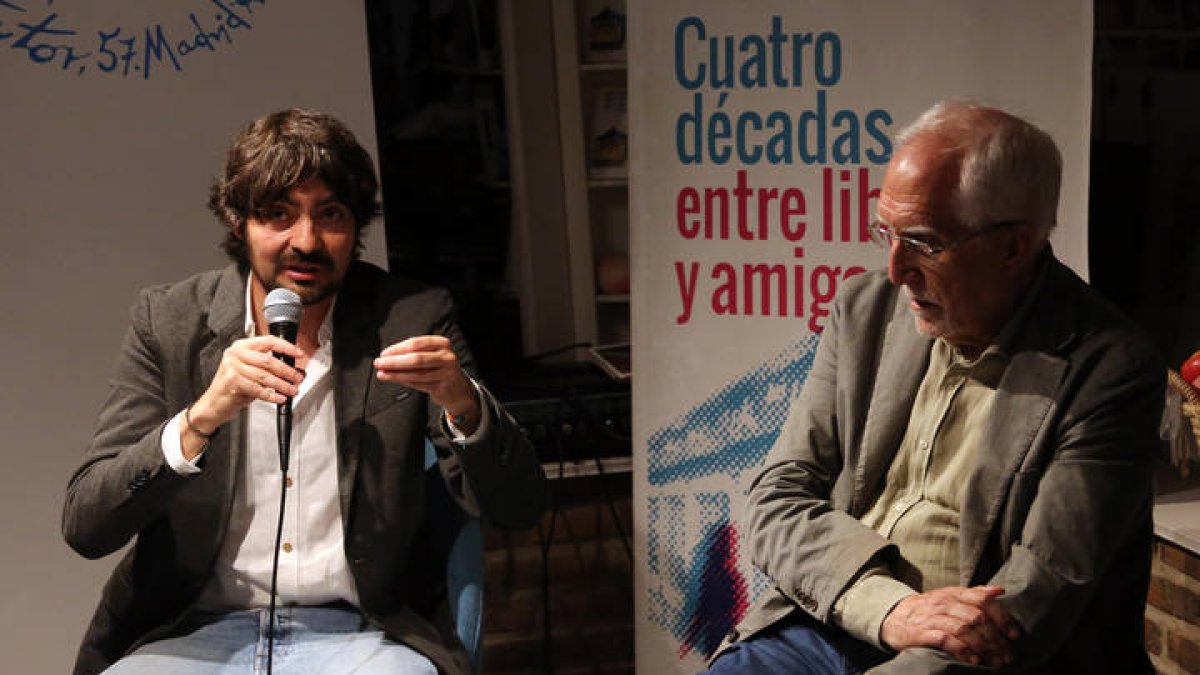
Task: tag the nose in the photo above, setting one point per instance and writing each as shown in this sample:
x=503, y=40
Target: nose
x=304, y=234
x=902, y=265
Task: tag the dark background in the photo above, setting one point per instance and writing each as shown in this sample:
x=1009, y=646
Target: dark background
x=1145, y=178
x=439, y=104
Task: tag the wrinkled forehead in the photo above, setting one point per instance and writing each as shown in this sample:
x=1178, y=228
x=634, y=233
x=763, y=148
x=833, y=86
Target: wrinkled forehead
x=920, y=186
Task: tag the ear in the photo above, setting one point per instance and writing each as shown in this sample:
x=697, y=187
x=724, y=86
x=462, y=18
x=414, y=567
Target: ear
x=1024, y=242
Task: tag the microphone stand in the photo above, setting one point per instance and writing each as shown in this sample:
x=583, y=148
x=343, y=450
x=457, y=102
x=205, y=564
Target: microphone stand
x=283, y=425
x=283, y=429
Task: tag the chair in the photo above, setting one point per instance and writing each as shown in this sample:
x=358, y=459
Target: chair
x=464, y=559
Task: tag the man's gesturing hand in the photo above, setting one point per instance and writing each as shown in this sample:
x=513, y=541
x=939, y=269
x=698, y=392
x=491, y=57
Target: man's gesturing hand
x=428, y=364
x=248, y=371
x=967, y=623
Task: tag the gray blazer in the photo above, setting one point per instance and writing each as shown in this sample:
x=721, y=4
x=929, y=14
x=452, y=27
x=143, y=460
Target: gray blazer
x=123, y=487
x=1058, y=507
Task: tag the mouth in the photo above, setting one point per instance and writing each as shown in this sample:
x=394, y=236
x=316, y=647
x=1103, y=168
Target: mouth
x=921, y=306
x=303, y=273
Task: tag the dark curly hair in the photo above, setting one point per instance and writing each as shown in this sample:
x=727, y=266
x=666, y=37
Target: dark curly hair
x=275, y=153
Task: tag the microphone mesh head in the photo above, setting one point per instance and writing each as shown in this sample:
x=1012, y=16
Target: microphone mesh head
x=282, y=305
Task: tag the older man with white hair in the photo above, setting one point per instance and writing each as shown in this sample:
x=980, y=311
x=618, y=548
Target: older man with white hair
x=964, y=484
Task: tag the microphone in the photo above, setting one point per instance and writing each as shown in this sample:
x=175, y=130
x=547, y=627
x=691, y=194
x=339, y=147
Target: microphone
x=282, y=310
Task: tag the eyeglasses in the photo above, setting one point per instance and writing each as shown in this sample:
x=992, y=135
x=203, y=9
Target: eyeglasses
x=883, y=235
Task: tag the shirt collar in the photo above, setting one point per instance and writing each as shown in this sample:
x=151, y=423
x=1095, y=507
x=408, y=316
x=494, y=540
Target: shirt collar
x=324, y=333
x=1001, y=346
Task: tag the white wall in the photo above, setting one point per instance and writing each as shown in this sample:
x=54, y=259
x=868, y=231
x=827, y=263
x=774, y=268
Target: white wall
x=103, y=184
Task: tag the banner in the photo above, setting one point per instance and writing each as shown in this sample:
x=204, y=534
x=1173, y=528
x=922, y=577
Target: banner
x=760, y=132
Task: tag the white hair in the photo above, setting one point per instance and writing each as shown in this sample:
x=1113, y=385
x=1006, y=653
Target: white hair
x=1008, y=168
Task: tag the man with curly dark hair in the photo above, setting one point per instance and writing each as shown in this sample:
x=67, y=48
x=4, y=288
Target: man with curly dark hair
x=184, y=458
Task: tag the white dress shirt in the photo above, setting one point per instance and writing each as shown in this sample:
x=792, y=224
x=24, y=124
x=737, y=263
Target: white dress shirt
x=312, y=560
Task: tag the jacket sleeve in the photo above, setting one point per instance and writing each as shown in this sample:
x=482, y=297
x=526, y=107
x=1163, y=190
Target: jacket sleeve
x=498, y=476
x=1088, y=525
x=123, y=481
x=1092, y=511
x=810, y=547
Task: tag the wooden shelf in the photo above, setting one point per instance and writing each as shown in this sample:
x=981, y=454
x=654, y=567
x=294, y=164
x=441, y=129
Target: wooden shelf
x=568, y=211
x=1177, y=509
x=597, y=209
x=602, y=66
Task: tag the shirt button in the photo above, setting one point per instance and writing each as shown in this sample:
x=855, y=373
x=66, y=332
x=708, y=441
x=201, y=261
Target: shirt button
x=288, y=482
x=287, y=548
x=923, y=444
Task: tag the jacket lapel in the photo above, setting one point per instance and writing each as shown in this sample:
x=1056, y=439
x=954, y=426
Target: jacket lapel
x=226, y=320
x=902, y=363
x=223, y=459
x=1023, y=399
x=1025, y=396
x=356, y=343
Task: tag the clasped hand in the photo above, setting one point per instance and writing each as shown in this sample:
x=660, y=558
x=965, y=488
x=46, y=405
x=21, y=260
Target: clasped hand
x=967, y=623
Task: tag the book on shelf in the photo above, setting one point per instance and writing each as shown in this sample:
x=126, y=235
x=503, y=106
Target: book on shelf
x=604, y=31
x=608, y=141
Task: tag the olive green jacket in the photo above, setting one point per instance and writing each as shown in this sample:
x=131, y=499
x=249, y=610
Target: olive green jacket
x=1058, y=506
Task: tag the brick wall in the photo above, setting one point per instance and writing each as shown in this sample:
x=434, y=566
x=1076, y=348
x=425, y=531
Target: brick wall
x=587, y=569
x=1173, y=611
x=589, y=575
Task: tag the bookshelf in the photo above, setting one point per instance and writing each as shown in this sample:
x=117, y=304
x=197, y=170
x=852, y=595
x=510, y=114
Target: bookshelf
x=570, y=193
x=591, y=75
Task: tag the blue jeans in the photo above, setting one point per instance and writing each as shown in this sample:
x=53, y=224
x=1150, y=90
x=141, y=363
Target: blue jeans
x=798, y=645
x=308, y=640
